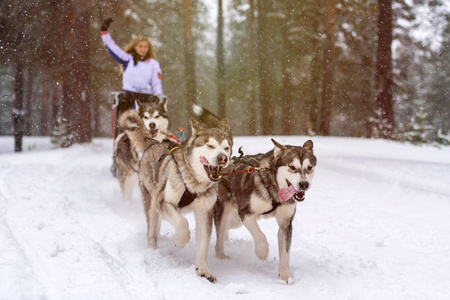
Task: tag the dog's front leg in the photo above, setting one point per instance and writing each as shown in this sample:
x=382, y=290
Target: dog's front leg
x=221, y=214
x=284, y=217
x=181, y=225
x=203, y=224
x=261, y=244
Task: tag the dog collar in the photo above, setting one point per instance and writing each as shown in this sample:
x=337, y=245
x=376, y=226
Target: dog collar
x=174, y=148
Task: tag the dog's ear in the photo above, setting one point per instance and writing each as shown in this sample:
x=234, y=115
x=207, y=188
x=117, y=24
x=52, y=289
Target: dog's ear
x=223, y=125
x=164, y=103
x=223, y=122
x=197, y=127
x=278, y=148
x=308, y=145
x=136, y=104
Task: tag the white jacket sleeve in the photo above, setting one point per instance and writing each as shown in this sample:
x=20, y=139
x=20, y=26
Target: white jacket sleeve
x=157, y=79
x=116, y=52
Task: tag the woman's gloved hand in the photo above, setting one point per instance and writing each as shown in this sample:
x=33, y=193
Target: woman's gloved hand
x=105, y=24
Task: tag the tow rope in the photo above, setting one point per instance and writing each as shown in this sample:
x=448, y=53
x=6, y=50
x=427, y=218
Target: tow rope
x=249, y=170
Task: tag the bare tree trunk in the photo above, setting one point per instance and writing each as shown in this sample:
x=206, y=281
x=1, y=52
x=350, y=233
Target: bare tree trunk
x=67, y=100
x=314, y=85
x=66, y=75
x=76, y=91
x=30, y=118
x=45, y=109
x=384, y=65
x=189, y=55
x=265, y=94
x=367, y=99
x=96, y=114
x=83, y=133
x=56, y=101
x=251, y=123
x=286, y=95
x=17, y=112
x=328, y=77
x=220, y=63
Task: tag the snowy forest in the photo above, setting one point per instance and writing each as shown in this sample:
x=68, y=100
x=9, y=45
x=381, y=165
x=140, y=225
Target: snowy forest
x=355, y=68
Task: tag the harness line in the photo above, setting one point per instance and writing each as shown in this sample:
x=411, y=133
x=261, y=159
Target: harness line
x=249, y=170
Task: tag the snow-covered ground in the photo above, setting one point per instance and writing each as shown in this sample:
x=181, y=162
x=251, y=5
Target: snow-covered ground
x=375, y=225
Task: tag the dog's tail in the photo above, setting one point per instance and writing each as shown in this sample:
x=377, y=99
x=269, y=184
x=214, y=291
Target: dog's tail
x=135, y=128
x=205, y=116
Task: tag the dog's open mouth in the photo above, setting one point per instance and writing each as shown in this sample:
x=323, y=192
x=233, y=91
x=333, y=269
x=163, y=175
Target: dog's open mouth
x=298, y=195
x=214, y=172
x=153, y=132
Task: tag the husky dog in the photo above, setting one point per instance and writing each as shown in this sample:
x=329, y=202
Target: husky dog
x=181, y=180
x=154, y=116
x=272, y=189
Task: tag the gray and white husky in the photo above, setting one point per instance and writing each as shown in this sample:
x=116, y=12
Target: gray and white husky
x=271, y=190
x=180, y=180
x=154, y=116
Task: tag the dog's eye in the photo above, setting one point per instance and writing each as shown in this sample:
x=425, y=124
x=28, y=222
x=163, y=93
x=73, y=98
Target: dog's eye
x=210, y=146
x=156, y=117
x=227, y=149
x=309, y=168
x=292, y=168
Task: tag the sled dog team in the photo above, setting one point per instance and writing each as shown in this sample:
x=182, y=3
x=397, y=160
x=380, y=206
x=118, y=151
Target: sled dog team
x=200, y=176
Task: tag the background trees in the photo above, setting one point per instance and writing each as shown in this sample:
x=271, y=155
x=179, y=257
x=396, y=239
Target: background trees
x=272, y=67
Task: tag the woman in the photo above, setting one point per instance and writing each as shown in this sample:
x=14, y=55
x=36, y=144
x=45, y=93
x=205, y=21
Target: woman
x=141, y=77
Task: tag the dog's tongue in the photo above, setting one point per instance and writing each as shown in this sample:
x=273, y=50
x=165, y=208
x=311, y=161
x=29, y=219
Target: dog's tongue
x=153, y=132
x=286, y=193
x=204, y=161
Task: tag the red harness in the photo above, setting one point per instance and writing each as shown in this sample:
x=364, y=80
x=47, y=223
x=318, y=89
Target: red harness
x=249, y=170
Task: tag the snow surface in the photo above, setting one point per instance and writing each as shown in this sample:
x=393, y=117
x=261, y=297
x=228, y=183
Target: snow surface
x=375, y=225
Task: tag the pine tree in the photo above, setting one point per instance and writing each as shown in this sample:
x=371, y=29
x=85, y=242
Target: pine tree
x=443, y=139
x=61, y=136
x=420, y=131
x=380, y=125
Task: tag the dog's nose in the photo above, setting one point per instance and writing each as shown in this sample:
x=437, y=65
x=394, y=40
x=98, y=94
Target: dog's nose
x=152, y=125
x=304, y=185
x=222, y=159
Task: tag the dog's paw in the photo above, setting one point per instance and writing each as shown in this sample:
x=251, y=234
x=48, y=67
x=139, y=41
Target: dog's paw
x=182, y=238
x=151, y=243
x=285, y=277
x=206, y=274
x=222, y=255
x=262, y=249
